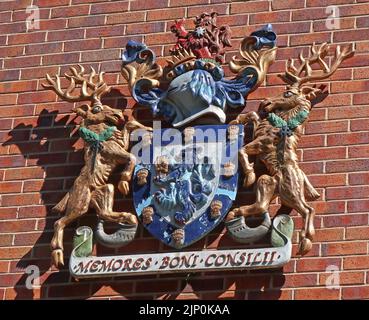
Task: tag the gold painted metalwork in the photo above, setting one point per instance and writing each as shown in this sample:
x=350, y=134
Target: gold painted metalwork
x=91, y=187
x=277, y=148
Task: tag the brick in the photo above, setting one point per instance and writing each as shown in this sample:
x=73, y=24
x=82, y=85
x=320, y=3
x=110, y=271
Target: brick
x=88, y=21
x=312, y=141
x=295, y=280
x=344, y=277
x=344, y=23
x=344, y=248
x=18, y=86
x=75, y=290
x=11, y=51
x=348, y=112
x=309, y=14
x=353, y=86
x=10, y=187
x=105, y=31
x=42, y=48
x=181, y=3
x=22, y=62
x=8, y=213
x=308, y=39
x=329, y=234
x=359, y=262
x=219, y=8
x=248, y=282
x=270, y=295
x=70, y=11
x=8, y=99
x=40, y=72
x=345, y=220
x=350, y=192
x=328, y=180
x=362, y=22
x=358, y=206
x=347, y=165
x=359, y=178
x=55, y=3
x=6, y=240
x=27, y=38
x=99, y=55
x=65, y=35
x=24, y=173
x=249, y=6
x=165, y=14
x=17, y=200
x=317, y=294
x=360, y=98
x=351, y=10
x=163, y=38
x=361, y=73
x=13, y=252
x=120, y=42
x=287, y=4
x=144, y=28
x=117, y=6
x=12, y=161
x=87, y=44
x=149, y=4
x=357, y=233
x=361, y=292
x=8, y=75
x=323, y=3
x=325, y=154
x=269, y=17
x=14, y=226
x=326, y=127
x=62, y=58
x=347, y=138
x=36, y=97
x=127, y=17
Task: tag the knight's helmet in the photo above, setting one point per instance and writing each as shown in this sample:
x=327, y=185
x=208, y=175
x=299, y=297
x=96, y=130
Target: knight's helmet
x=196, y=87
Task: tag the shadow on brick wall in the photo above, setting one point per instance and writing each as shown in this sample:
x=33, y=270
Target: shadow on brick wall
x=51, y=146
x=43, y=151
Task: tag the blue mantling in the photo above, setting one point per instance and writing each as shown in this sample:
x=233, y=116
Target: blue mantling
x=192, y=94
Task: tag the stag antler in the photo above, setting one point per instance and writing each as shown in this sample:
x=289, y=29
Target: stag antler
x=304, y=73
x=88, y=82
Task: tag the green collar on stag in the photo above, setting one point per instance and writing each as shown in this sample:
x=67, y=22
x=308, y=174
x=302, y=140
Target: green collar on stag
x=288, y=126
x=95, y=140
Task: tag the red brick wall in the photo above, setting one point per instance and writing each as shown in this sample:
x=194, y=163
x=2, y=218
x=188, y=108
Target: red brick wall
x=39, y=160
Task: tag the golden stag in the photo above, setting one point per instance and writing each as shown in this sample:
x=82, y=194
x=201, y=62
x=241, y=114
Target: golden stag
x=276, y=138
x=105, y=148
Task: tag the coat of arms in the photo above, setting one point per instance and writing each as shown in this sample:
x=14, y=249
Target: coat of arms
x=184, y=176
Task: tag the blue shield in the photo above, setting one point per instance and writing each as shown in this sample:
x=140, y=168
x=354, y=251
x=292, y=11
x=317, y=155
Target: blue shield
x=189, y=183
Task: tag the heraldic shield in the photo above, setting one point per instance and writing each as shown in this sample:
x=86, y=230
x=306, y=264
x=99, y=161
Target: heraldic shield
x=191, y=182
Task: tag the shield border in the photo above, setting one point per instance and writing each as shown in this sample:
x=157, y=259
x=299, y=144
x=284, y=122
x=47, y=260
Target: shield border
x=161, y=229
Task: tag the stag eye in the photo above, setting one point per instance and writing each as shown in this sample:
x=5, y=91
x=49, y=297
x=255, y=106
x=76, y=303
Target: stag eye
x=288, y=94
x=96, y=109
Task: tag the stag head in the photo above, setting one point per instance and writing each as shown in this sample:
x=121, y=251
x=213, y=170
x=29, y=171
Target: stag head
x=298, y=92
x=91, y=88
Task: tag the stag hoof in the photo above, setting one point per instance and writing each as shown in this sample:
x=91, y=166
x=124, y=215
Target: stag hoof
x=130, y=219
x=232, y=214
x=305, y=246
x=123, y=187
x=57, y=258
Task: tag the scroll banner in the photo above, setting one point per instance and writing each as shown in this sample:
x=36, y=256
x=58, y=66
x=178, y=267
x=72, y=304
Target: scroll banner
x=81, y=265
